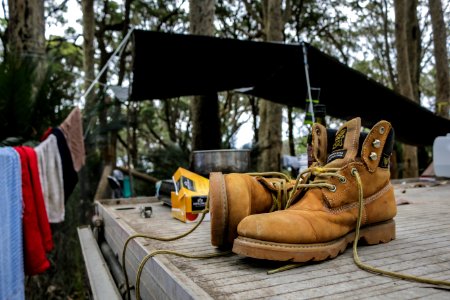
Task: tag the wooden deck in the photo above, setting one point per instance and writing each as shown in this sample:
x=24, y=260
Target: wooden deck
x=421, y=248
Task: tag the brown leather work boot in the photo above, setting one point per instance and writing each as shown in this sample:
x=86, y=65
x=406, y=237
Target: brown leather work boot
x=234, y=196
x=322, y=222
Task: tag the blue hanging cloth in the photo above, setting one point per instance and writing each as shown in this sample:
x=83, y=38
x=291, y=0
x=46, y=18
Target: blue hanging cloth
x=11, y=246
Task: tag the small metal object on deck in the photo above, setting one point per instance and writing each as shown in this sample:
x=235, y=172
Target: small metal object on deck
x=146, y=211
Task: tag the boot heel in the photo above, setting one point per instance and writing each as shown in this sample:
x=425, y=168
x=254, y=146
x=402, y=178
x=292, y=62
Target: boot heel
x=218, y=207
x=379, y=233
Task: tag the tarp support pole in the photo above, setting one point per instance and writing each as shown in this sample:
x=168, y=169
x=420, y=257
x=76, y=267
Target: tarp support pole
x=121, y=45
x=308, y=84
x=119, y=48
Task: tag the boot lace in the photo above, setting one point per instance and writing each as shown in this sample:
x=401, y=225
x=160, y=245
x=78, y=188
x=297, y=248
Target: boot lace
x=369, y=268
x=321, y=175
x=284, y=193
x=281, y=187
x=315, y=177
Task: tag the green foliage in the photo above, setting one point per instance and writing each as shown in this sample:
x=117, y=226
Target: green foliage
x=301, y=145
x=372, y=69
x=25, y=109
x=165, y=143
x=234, y=111
x=166, y=160
x=54, y=13
x=160, y=15
x=16, y=105
x=35, y=95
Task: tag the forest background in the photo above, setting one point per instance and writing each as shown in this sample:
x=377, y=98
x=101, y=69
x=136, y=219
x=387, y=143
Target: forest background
x=45, y=72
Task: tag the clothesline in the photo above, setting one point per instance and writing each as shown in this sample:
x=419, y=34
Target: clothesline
x=35, y=184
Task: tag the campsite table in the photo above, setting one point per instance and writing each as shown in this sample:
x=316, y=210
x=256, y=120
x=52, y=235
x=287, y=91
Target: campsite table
x=421, y=248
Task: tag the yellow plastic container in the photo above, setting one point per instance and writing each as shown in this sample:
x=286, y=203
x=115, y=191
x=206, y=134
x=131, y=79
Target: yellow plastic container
x=189, y=198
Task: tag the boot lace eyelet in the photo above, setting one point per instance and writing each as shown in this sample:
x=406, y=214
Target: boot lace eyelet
x=332, y=188
x=343, y=179
x=354, y=171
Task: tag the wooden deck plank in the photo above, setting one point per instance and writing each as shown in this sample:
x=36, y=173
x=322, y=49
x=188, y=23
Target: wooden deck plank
x=420, y=248
x=100, y=279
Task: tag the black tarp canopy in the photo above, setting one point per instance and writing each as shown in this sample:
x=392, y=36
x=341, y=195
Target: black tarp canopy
x=168, y=65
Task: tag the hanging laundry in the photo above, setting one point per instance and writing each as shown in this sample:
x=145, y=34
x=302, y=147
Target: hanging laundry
x=50, y=173
x=70, y=176
x=35, y=258
x=11, y=247
x=72, y=127
x=46, y=134
x=41, y=211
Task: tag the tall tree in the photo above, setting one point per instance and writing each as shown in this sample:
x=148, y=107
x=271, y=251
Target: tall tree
x=204, y=108
x=291, y=140
x=86, y=186
x=88, y=51
x=104, y=100
x=26, y=34
x=270, y=113
x=407, y=41
x=441, y=59
x=26, y=29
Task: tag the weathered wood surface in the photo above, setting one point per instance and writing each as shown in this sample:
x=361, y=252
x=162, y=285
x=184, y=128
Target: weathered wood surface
x=100, y=279
x=421, y=248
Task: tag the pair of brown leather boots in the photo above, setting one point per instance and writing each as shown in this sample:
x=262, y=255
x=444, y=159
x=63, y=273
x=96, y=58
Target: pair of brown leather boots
x=313, y=218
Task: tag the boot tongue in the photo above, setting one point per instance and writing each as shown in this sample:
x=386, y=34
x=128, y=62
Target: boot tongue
x=345, y=146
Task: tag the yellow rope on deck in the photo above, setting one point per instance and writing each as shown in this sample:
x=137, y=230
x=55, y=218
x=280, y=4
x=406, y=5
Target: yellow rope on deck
x=158, y=238
x=356, y=258
x=368, y=268
x=166, y=239
x=156, y=252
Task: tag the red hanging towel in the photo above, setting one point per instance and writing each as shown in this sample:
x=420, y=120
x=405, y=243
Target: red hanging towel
x=46, y=134
x=41, y=211
x=34, y=252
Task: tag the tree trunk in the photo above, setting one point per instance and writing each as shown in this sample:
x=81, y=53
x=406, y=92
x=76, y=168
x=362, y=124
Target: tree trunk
x=406, y=38
x=441, y=59
x=26, y=28
x=88, y=51
x=254, y=104
x=404, y=79
x=413, y=40
x=86, y=186
x=104, y=138
x=204, y=108
x=387, y=44
x=117, y=104
x=26, y=34
x=291, y=132
x=270, y=113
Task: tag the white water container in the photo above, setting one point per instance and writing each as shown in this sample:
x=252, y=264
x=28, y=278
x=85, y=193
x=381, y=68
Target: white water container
x=441, y=156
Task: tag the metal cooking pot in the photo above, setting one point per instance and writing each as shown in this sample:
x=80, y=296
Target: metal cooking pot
x=224, y=160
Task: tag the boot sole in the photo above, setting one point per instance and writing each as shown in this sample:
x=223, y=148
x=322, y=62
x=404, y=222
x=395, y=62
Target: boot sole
x=372, y=234
x=218, y=208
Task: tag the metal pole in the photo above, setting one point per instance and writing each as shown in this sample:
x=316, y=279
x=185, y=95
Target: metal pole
x=119, y=48
x=308, y=84
x=122, y=44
